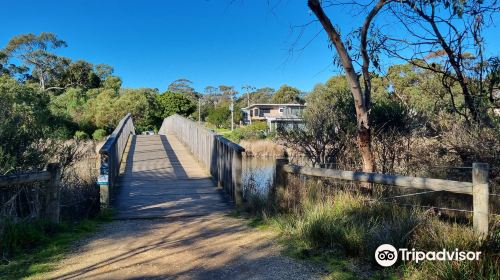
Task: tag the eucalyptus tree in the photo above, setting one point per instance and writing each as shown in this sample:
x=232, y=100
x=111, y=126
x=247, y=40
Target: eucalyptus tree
x=287, y=94
x=446, y=37
x=183, y=86
x=35, y=53
x=347, y=56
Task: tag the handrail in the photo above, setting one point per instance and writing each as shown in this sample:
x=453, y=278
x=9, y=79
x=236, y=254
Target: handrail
x=221, y=157
x=112, y=155
x=385, y=179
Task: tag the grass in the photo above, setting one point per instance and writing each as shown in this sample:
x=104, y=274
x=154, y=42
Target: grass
x=341, y=230
x=32, y=256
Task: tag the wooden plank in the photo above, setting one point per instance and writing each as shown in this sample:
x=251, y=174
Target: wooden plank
x=180, y=187
x=24, y=178
x=386, y=179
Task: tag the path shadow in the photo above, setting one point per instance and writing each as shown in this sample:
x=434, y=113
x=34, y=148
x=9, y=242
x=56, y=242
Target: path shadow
x=172, y=157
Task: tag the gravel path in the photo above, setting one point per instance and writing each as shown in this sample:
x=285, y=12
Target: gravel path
x=209, y=247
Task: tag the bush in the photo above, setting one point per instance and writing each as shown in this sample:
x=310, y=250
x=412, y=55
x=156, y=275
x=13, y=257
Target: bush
x=99, y=134
x=81, y=135
x=254, y=131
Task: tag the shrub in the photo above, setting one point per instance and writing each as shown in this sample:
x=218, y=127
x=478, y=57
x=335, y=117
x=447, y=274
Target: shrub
x=99, y=134
x=256, y=130
x=81, y=135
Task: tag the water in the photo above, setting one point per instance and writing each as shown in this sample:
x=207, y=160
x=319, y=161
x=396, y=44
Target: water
x=258, y=173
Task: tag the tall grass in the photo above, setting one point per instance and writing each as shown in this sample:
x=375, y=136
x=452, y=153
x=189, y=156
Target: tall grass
x=324, y=220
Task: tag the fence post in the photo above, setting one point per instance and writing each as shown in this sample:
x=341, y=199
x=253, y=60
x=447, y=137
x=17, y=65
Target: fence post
x=236, y=170
x=52, y=196
x=480, y=197
x=280, y=179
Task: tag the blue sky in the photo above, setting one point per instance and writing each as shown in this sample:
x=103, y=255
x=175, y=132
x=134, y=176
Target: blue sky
x=211, y=42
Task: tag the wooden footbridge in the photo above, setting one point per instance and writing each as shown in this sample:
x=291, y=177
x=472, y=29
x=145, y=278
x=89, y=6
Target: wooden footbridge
x=184, y=171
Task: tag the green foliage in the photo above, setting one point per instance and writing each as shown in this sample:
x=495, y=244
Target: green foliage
x=388, y=114
x=24, y=118
x=328, y=125
x=17, y=237
x=287, y=94
x=81, y=135
x=170, y=103
x=113, y=82
x=183, y=86
x=256, y=130
x=220, y=117
x=99, y=134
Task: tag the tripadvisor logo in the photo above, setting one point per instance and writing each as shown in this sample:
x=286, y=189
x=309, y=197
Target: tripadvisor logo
x=387, y=255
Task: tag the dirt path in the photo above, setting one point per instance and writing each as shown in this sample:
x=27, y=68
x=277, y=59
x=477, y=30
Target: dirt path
x=210, y=247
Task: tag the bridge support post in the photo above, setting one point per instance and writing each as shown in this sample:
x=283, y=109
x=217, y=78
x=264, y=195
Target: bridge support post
x=236, y=178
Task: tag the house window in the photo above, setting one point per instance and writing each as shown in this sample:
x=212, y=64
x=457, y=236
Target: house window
x=251, y=113
x=264, y=111
x=281, y=110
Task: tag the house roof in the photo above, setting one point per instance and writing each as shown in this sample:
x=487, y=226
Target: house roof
x=274, y=105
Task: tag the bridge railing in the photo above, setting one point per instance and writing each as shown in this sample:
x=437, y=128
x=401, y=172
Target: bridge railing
x=218, y=155
x=111, y=156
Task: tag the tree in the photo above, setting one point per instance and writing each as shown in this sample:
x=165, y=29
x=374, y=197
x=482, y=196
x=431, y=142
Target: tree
x=220, y=116
x=170, y=103
x=361, y=96
x=262, y=95
x=286, y=94
x=34, y=52
x=142, y=104
x=449, y=42
x=80, y=74
x=183, y=86
x=23, y=121
x=248, y=89
x=103, y=71
x=328, y=124
x=113, y=82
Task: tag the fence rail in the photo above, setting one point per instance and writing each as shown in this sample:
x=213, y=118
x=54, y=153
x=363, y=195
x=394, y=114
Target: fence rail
x=112, y=154
x=221, y=157
x=478, y=188
x=51, y=178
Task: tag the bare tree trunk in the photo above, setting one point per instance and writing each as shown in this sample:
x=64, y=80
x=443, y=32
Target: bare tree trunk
x=361, y=99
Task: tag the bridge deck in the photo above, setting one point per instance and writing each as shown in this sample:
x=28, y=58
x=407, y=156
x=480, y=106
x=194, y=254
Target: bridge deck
x=163, y=179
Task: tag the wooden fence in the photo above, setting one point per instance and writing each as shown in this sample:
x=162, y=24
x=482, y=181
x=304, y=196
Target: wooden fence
x=478, y=188
x=218, y=155
x=50, y=179
x=111, y=156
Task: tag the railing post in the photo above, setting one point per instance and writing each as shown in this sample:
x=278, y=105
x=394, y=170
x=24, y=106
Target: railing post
x=480, y=197
x=104, y=181
x=53, y=196
x=236, y=178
